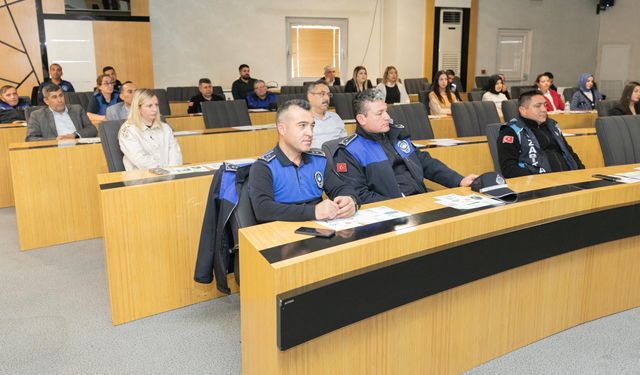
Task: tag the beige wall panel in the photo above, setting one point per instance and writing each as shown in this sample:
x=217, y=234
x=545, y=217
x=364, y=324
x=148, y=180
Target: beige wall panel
x=53, y=6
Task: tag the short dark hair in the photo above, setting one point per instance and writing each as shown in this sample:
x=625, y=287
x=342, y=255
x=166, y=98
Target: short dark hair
x=126, y=82
x=56, y=64
x=50, y=87
x=526, y=96
x=108, y=67
x=242, y=66
x=258, y=81
x=450, y=72
x=5, y=88
x=203, y=80
x=284, y=108
x=548, y=74
x=312, y=85
x=362, y=98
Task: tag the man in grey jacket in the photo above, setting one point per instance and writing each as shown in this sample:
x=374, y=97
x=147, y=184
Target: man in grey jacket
x=120, y=111
x=57, y=120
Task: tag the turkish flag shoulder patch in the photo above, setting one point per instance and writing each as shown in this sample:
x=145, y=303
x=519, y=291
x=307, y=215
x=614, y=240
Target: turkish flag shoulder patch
x=341, y=167
x=507, y=139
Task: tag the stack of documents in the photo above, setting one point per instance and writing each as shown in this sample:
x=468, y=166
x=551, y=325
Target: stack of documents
x=467, y=202
x=445, y=142
x=363, y=217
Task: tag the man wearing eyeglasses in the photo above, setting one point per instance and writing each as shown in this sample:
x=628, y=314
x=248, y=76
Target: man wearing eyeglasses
x=328, y=124
x=330, y=78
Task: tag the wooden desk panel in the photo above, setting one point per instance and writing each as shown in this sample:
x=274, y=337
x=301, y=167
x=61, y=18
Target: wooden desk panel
x=9, y=133
x=55, y=195
x=443, y=127
x=575, y=120
x=186, y=122
x=456, y=329
x=151, y=236
x=262, y=118
x=179, y=108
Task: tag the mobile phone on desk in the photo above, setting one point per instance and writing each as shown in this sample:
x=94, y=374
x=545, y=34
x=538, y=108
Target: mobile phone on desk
x=318, y=232
x=159, y=171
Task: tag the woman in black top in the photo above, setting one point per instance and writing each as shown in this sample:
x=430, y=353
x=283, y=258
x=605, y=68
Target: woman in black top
x=359, y=82
x=629, y=103
x=392, y=87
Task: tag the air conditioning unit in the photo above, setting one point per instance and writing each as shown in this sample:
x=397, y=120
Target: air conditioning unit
x=450, y=42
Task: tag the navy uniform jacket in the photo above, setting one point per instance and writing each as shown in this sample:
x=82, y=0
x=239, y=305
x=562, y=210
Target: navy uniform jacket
x=10, y=114
x=280, y=190
x=386, y=165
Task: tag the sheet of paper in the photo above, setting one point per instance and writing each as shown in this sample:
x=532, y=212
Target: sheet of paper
x=568, y=134
x=89, y=140
x=187, y=169
x=628, y=177
x=467, y=202
x=254, y=127
x=213, y=166
x=363, y=217
x=445, y=142
x=258, y=110
x=418, y=145
x=186, y=132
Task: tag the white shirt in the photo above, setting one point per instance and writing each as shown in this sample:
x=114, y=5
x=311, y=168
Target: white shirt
x=64, y=125
x=496, y=98
x=404, y=97
x=328, y=128
x=151, y=147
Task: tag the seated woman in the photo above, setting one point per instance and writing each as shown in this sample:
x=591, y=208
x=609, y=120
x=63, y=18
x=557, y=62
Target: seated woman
x=145, y=141
x=103, y=97
x=494, y=93
x=629, y=103
x=11, y=106
x=260, y=98
x=587, y=96
x=554, y=102
x=440, y=97
x=505, y=89
x=392, y=87
x=359, y=82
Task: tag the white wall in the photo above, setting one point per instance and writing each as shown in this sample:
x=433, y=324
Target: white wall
x=193, y=39
x=565, y=35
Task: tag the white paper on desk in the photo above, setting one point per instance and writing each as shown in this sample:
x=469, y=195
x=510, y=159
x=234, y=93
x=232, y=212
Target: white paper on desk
x=466, y=202
x=568, y=134
x=418, y=145
x=363, y=217
x=445, y=142
x=186, y=132
x=350, y=121
x=66, y=142
x=628, y=177
x=187, y=169
x=254, y=127
x=258, y=110
x=89, y=140
x=213, y=166
x=434, y=116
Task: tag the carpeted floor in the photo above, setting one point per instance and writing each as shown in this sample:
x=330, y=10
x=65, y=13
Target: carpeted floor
x=55, y=319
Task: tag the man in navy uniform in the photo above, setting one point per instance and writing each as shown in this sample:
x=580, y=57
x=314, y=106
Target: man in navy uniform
x=379, y=160
x=287, y=182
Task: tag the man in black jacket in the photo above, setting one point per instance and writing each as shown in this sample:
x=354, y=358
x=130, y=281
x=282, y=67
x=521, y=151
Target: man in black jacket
x=244, y=85
x=379, y=160
x=206, y=95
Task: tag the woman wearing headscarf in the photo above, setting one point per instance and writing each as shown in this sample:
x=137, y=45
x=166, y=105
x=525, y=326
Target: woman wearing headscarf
x=587, y=96
x=494, y=92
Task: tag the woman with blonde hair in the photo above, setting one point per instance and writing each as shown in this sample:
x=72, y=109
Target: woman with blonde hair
x=145, y=140
x=359, y=82
x=392, y=87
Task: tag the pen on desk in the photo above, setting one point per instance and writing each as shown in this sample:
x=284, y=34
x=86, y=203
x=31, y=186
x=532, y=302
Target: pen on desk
x=606, y=178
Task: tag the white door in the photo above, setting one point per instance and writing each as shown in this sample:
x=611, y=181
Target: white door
x=514, y=54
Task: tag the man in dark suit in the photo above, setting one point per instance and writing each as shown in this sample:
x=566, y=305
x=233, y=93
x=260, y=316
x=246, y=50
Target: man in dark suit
x=330, y=78
x=57, y=120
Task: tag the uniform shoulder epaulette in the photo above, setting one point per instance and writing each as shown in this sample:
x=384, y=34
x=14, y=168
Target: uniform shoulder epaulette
x=345, y=142
x=268, y=156
x=397, y=126
x=316, y=152
x=230, y=167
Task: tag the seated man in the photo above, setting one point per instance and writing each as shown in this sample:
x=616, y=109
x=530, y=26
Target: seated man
x=120, y=110
x=380, y=162
x=451, y=77
x=206, y=95
x=57, y=120
x=329, y=77
x=260, y=98
x=532, y=143
x=11, y=106
x=328, y=125
x=55, y=76
x=111, y=72
x=244, y=85
x=287, y=182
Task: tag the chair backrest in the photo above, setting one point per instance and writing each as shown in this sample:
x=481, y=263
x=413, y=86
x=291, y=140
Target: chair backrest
x=475, y=95
x=243, y=215
x=470, y=118
x=223, y=114
x=619, y=138
x=378, y=80
x=29, y=110
x=216, y=90
x=72, y=98
x=423, y=97
x=282, y=98
x=604, y=106
x=292, y=89
x=25, y=99
x=34, y=95
x=336, y=89
x=568, y=92
x=415, y=85
x=83, y=97
x=492, y=131
x=509, y=109
x=163, y=101
x=111, y=146
x=516, y=91
x=414, y=117
x=343, y=103
x=183, y=93
x=482, y=81
x=329, y=148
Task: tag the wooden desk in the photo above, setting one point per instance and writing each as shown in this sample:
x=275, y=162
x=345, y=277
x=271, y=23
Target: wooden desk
x=9, y=133
x=422, y=296
x=179, y=108
x=575, y=120
x=443, y=127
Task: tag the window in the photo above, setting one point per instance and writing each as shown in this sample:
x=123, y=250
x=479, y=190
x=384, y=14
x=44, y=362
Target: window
x=514, y=54
x=312, y=44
